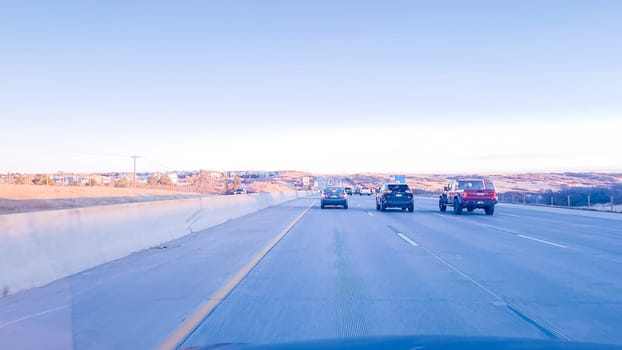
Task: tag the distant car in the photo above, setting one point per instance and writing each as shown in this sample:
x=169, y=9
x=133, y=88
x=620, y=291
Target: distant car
x=348, y=190
x=470, y=194
x=395, y=195
x=239, y=191
x=366, y=191
x=334, y=196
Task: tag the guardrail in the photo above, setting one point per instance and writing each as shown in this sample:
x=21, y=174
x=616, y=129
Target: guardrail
x=557, y=200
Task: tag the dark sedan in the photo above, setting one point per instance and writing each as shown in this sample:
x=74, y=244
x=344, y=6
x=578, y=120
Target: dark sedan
x=334, y=196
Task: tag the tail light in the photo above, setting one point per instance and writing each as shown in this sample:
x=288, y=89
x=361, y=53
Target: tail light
x=387, y=191
x=494, y=195
x=409, y=191
x=465, y=194
x=324, y=195
x=342, y=196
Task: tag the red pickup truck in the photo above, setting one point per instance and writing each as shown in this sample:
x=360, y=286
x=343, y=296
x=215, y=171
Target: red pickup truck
x=470, y=194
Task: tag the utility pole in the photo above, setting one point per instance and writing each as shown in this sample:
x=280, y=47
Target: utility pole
x=135, y=157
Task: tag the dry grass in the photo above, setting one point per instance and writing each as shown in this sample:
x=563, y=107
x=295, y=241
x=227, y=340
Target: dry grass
x=21, y=192
x=26, y=198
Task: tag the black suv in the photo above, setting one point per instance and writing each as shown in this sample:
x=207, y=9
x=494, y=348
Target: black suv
x=395, y=195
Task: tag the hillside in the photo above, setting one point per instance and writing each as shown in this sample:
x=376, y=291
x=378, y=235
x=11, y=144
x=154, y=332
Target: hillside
x=527, y=182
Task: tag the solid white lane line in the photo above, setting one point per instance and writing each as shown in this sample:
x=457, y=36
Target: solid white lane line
x=33, y=316
x=512, y=215
x=437, y=214
x=191, y=323
x=370, y=214
x=408, y=240
x=542, y=241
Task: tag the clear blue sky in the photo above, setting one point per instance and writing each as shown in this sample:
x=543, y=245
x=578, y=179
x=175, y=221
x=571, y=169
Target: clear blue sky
x=324, y=86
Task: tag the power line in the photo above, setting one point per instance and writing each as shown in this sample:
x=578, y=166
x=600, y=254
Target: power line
x=159, y=164
x=92, y=154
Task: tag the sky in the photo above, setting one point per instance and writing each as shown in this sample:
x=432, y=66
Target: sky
x=321, y=86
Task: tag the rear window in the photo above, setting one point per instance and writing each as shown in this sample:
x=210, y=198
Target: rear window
x=490, y=186
x=333, y=190
x=471, y=185
x=398, y=188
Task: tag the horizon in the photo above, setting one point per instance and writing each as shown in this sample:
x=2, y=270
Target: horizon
x=364, y=173
x=324, y=87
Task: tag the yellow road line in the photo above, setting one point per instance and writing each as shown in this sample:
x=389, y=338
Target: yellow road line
x=190, y=324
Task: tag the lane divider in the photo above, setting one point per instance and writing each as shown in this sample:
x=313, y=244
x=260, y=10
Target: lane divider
x=512, y=215
x=192, y=322
x=516, y=233
x=498, y=228
x=542, y=241
x=408, y=240
x=403, y=236
x=28, y=317
x=543, y=327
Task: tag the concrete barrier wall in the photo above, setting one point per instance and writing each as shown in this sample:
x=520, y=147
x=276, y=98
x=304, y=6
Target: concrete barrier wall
x=39, y=247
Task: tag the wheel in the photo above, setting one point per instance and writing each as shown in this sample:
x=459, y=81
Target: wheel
x=345, y=206
x=490, y=210
x=457, y=207
x=382, y=207
x=470, y=209
x=322, y=206
x=377, y=206
x=411, y=208
x=441, y=205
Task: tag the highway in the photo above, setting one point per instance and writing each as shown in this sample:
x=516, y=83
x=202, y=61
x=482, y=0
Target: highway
x=524, y=272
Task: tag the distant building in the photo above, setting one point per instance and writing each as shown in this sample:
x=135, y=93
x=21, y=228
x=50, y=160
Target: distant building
x=142, y=178
x=173, y=177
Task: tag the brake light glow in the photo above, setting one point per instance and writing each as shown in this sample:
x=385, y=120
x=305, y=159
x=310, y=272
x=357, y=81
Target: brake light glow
x=342, y=196
x=494, y=194
x=409, y=191
x=324, y=195
x=387, y=191
x=465, y=194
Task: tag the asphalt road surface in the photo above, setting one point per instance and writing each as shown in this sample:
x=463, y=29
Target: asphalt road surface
x=524, y=272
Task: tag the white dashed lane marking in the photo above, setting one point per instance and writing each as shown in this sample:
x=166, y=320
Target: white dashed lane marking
x=543, y=241
x=408, y=240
